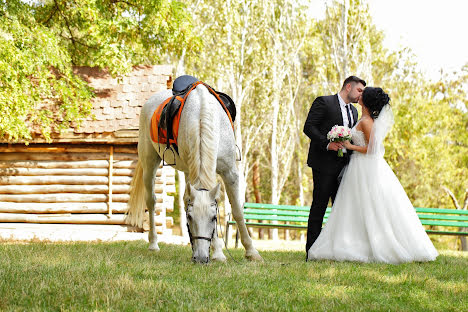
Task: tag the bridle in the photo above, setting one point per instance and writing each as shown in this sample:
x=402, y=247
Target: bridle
x=192, y=238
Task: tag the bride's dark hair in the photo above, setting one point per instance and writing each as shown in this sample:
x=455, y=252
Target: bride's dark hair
x=374, y=100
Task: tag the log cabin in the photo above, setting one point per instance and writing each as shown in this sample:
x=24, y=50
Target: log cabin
x=83, y=176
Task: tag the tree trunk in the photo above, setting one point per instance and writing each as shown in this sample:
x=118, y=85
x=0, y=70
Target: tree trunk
x=256, y=180
x=256, y=184
x=345, y=39
x=463, y=243
x=274, y=164
x=301, y=189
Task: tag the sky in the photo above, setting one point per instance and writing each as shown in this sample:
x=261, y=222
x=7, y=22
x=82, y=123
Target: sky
x=435, y=30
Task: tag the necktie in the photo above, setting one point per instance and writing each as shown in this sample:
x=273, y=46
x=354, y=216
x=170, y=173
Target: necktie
x=349, y=116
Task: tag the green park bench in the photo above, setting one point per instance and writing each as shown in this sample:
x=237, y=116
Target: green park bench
x=440, y=221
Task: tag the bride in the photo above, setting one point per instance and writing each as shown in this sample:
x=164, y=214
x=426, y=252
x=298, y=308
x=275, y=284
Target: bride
x=372, y=219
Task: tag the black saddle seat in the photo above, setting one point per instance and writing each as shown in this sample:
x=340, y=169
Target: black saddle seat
x=182, y=83
x=180, y=87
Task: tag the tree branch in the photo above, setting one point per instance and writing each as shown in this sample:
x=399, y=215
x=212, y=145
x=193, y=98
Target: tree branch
x=51, y=15
x=68, y=25
x=465, y=205
x=452, y=197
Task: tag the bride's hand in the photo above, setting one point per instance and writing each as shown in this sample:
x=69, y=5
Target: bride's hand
x=347, y=145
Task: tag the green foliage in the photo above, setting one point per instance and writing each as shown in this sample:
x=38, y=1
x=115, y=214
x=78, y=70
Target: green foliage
x=40, y=41
x=35, y=71
x=428, y=146
x=117, y=34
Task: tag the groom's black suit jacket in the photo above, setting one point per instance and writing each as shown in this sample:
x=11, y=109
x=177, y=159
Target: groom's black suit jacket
x=323, y=115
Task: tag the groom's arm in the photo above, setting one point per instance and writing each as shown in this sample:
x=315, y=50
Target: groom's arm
x=314, y=118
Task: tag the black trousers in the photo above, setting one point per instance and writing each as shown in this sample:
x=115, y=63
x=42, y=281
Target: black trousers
x=325, y=187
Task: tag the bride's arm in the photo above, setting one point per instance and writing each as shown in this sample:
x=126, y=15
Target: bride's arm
x=366, y=128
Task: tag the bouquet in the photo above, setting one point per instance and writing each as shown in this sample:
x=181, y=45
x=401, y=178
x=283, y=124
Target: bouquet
x=339, y=134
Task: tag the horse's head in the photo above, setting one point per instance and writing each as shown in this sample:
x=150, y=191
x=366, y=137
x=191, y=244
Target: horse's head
x=202, y=207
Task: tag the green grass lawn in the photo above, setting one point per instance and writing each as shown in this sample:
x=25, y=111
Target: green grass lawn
x=125, y=276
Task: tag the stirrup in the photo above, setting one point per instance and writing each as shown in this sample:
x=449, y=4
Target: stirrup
x=239, y=154
x=173, y=154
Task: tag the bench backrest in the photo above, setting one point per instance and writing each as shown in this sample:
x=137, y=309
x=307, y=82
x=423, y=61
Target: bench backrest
x=300, y=214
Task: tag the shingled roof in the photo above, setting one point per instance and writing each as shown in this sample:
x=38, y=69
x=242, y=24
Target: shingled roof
x=117, y=104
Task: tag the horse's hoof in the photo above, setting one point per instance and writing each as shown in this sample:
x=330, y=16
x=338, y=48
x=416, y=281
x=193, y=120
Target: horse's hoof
x=219, y=258
x=254, y=257
x=154, y=247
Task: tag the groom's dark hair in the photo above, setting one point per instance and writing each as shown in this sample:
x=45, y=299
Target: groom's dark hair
x=353, y=79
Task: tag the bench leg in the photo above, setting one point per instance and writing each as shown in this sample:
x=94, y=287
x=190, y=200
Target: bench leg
x=237, y=238
x=227, y=234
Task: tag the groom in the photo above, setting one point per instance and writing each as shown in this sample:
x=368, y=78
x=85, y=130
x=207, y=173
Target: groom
x=327, y=111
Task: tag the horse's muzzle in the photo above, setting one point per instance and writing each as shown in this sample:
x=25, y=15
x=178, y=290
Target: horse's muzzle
x=202, y=260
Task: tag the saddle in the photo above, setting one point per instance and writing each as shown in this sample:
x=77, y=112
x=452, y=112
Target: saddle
x=165, y=120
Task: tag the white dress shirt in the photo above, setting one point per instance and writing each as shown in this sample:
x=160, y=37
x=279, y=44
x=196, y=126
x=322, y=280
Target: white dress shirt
x=344, y=114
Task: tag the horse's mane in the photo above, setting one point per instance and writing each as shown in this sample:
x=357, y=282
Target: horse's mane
x=202, y=159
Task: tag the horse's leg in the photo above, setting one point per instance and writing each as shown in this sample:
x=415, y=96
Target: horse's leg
x=151, y=162
x=217, y=245
x=231, y=182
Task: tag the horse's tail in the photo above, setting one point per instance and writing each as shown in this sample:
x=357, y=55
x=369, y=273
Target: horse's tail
x=137, y=205
x=208, y=143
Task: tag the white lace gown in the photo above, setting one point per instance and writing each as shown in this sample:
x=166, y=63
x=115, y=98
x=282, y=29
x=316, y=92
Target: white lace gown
x=372, y=219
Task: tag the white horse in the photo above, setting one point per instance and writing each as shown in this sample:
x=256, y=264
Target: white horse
x=206, y=146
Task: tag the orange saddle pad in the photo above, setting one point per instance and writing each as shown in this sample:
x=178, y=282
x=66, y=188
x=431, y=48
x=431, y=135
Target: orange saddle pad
x=159, y=135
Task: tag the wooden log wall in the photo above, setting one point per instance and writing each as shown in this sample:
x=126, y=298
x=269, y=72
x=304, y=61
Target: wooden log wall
x=75, y=184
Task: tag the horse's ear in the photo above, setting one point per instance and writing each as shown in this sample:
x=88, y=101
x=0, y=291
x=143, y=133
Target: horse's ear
x=192, y=191
x=214, y=193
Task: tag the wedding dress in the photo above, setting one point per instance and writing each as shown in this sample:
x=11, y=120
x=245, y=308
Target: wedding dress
x=372, y=219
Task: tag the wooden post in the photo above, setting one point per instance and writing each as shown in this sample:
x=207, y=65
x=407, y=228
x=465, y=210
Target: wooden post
x=111, y=168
